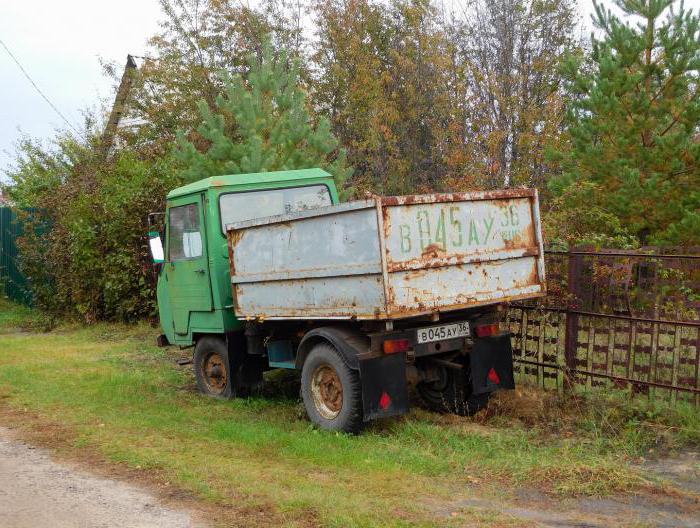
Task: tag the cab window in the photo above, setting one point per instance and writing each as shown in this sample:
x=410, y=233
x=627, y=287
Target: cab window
x=238, y=207
x=185, y=237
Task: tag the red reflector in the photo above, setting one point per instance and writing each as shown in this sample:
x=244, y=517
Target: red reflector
x=487, y=330
x=384, y=401
x=493, y=376
x=394, y=346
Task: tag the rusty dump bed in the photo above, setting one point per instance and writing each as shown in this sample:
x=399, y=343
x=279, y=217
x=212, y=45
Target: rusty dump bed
x=389, y=258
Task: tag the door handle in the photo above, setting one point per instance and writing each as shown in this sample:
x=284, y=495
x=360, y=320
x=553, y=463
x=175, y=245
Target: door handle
x=200, y=270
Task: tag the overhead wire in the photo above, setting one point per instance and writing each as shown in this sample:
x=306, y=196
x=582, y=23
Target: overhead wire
x=42, y=94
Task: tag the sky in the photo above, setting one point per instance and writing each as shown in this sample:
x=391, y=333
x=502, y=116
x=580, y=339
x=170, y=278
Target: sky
x=60, y=44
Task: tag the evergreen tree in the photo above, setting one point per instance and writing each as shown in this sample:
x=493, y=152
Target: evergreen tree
x=262, y=124
x=634, y=121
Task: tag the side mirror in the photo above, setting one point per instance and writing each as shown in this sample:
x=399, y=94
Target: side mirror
x=156, y=245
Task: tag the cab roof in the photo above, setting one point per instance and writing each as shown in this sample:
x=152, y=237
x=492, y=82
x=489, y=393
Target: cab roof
x=249, y=179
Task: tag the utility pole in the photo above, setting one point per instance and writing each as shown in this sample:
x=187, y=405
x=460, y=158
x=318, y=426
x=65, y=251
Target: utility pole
x=118, y=107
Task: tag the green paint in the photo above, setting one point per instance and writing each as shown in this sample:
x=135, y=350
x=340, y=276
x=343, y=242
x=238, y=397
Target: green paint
x=440, y=230
x=488, y=223
x=514, y=219
x=452, y=230
x=457, y=227
x=510, y=217
x=194, y=294
x=423, y=228
x=473, y=235
x=505, y=220
x=13, y=283
x=405, y=235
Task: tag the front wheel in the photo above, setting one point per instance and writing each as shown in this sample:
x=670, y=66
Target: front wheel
x=211, y=367
x=331, y=391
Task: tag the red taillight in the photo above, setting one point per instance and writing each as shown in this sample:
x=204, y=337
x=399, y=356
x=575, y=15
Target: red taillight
x=394, y=346
x=487, y=330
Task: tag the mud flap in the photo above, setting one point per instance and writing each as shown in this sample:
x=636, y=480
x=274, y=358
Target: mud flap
x=491, y=362
x=384, y=389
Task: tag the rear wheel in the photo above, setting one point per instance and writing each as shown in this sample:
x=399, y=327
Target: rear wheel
x=452, y=390
x=331, y=391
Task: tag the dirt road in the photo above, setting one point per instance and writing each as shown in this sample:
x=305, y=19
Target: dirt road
x=36, y=491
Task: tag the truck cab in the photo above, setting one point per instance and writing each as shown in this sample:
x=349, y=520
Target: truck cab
x=194, y=282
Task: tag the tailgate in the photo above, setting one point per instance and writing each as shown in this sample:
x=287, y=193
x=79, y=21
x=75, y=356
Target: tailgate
x=449, y=251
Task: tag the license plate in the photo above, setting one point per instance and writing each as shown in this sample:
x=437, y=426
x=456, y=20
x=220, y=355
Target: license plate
x=442, y=332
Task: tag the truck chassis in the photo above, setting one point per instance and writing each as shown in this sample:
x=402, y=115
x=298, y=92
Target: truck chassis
x=356, y=371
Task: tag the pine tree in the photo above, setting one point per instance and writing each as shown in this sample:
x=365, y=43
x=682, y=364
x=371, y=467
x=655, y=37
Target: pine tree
x=635, y=118
x=262, y=124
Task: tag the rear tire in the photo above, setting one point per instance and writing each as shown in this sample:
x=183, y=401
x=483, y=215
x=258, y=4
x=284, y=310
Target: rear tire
x=331, y=391
x=452, y=392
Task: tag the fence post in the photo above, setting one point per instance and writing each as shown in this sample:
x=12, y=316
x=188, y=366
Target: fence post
x=574, y=266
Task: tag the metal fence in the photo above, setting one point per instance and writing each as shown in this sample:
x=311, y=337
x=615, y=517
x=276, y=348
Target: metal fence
x=12, y=283
x=614, y=319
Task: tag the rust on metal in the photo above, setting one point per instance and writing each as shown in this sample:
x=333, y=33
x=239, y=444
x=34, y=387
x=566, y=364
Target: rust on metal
x=457, y=197
x=583, y=335
x=468, y=302
x=327, y=391
x=433, y=251
x=438, y=260
x=215, y=375
x=389, y=258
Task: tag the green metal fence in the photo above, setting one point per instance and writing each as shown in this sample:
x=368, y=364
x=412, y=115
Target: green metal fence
x=12, y=283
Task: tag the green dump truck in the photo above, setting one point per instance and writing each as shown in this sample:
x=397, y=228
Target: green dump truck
x=365, y=298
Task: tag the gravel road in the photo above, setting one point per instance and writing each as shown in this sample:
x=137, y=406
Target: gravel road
x=37, y=492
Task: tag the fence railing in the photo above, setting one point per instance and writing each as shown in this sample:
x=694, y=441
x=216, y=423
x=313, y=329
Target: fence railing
x=613, y=318
x=12, y=283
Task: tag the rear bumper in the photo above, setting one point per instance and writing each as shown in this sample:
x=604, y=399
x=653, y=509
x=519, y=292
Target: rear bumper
x=384, y=381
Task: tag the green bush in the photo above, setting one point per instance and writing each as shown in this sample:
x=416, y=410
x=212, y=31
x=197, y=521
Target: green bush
x=85, y=252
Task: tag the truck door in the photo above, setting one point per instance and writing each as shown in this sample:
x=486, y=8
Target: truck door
x=187, y=266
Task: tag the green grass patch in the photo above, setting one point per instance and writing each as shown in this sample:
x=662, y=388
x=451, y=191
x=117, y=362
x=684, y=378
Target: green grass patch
x=120, y=395
x=14, y=317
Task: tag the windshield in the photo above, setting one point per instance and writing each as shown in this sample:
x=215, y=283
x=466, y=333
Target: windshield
x=237, y=207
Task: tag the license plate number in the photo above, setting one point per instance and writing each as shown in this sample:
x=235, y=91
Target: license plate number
x=440, y=333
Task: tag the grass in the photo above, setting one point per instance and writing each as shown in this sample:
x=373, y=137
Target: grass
x=112, y=392
x=14, y=317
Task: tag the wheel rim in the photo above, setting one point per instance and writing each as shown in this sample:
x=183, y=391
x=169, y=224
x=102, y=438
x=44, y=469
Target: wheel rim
x=215, y=375
x=327, y=391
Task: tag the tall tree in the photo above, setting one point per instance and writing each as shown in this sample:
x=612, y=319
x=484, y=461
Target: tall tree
x=262, y=124
x=635, y=120
x=379, y=76
x=507, y=88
